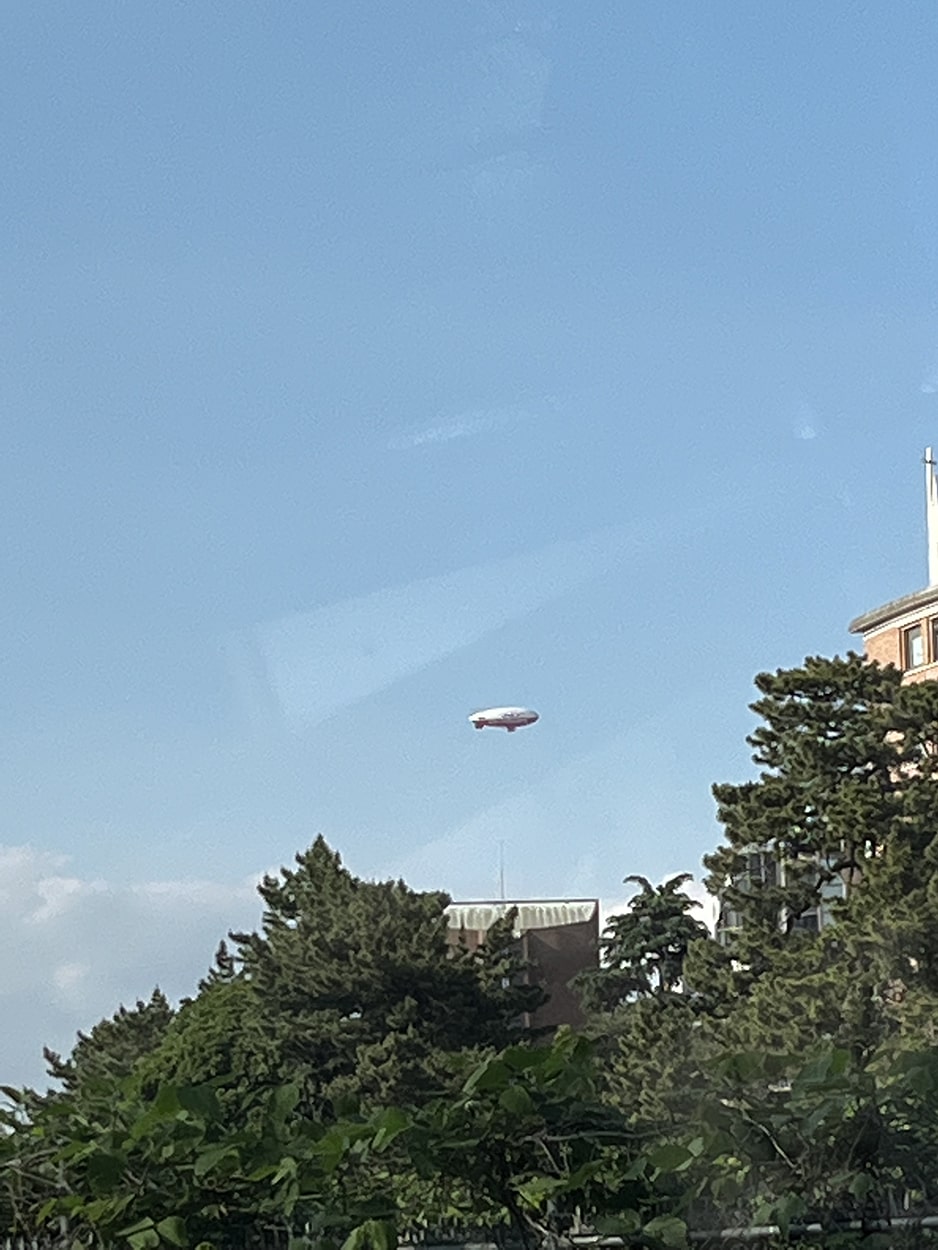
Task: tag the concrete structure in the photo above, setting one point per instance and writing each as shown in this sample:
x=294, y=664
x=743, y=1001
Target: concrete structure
x=557, y=938
x=904, y=632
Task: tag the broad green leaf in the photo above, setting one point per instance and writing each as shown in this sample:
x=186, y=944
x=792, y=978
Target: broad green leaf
x=861, y=1185
x=817, y=1072
x=522, y=1058
x=137, y=1227
x=389, y=1124
x=622, y=1224
x=283, y=1101
x=492, y=1074
x=331, y=1150
x=516, y=1100
x=104, y=1170
x=839, y=1062
x=261, y=1173
x=199, y=1100
x=535, y=1191
x=670, y=1157
x=668, y=1230
x=287, y=1168
x=148, y=1239
x=173, y=1230
x=789, y=1207
x=371, y=1235
x=210, y=1158
x=46, y=1210
x=166, y=1101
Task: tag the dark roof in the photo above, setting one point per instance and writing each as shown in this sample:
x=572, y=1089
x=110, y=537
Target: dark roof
x=896, y=607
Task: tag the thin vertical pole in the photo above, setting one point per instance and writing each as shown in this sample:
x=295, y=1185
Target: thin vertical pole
x=931, y=515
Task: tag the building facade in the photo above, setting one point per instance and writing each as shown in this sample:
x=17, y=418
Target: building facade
x=557, y=940
x=762, y=870
x=904, y=632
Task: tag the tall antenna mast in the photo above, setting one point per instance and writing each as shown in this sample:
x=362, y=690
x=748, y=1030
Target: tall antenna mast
x=501, y=871
x=931, y=515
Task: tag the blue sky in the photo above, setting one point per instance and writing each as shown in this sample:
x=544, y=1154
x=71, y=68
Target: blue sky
x=365, y=365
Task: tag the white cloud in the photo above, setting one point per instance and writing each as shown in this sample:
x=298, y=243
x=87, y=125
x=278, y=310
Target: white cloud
x=446, y=430
x=76, y=948
x=57, y=893
x=71, y=981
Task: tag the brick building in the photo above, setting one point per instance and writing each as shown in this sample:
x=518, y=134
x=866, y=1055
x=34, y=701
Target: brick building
x=904, y=631
x=558, y=939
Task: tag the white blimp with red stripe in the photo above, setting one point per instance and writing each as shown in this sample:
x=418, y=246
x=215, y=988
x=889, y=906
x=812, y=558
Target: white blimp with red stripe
x=510, y=718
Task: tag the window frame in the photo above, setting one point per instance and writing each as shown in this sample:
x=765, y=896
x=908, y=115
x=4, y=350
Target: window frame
x=908, y=634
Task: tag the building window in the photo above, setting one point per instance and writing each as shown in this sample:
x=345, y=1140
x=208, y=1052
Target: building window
x=934, y=638
x=761, y=870
x=913, y=647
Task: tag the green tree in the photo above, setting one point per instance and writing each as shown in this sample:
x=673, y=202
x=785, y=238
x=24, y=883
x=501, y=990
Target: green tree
x=845, y=794
x=641, y=1012
x=643, y=950
x=522, y=1140
x=111, y=1050
x=350, y=986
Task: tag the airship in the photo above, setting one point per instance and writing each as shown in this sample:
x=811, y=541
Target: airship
x=510, y=718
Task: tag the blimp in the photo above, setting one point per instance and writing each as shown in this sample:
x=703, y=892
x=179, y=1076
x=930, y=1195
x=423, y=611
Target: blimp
x=510, y=718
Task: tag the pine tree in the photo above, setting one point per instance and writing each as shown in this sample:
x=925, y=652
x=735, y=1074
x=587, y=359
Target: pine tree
x=351, y=988
x=847, y=793
x=643, y=950
x=111, y=1050
x=827, y=801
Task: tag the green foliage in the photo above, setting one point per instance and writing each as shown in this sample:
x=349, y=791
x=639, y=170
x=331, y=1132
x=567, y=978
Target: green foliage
x=219, y=1036
x=524, y=1141
x=352, y=987
x=528, y=1137
x=348, y=1072
x=644, y=949
x=846, y=792
x=113, y=1047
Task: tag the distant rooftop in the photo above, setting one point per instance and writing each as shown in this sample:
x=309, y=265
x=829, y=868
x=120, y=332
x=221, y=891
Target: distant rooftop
x=895, y=608
x=542, y=913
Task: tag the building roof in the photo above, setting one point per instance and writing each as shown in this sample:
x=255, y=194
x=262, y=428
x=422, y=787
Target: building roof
x=896, y=607
x=544, y=913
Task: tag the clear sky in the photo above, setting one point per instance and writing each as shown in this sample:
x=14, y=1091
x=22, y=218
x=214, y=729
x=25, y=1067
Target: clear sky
x=363, y=365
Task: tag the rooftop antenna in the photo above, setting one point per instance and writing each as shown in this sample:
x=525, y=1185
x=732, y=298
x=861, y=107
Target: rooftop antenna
x=501, y=870
x=931, y=515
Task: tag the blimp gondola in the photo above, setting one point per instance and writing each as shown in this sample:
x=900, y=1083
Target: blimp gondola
x=510, y=718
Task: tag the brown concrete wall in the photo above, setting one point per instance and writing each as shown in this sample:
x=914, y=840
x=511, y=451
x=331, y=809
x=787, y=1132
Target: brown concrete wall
x=556, y=956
